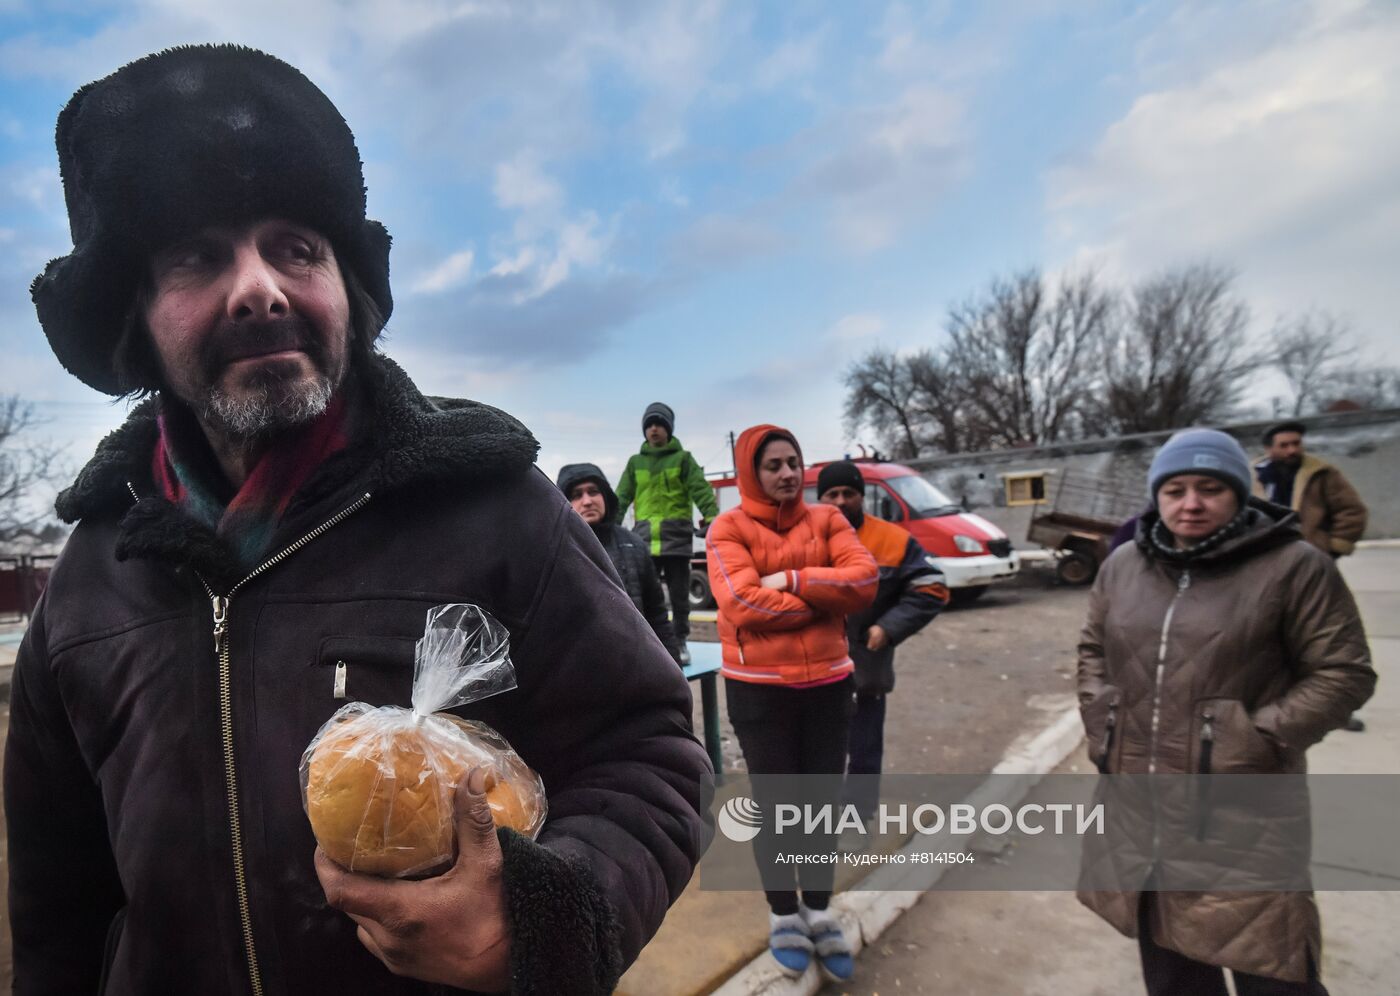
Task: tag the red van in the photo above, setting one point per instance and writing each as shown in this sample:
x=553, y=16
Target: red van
x=971, y=552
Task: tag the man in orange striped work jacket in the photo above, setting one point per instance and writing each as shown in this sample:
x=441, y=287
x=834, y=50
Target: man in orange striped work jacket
x=912, y=591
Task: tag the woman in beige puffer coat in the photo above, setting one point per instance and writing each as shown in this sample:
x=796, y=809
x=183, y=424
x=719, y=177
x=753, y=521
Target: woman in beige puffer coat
x=1221, y=643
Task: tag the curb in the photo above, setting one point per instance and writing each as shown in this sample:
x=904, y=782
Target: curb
x=1379, y=544
x=865, y=915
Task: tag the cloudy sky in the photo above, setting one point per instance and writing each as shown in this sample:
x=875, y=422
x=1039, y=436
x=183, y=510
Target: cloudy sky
x=721, y=205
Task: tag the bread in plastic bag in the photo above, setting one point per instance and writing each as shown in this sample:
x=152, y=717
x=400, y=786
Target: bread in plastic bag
x=378, y=782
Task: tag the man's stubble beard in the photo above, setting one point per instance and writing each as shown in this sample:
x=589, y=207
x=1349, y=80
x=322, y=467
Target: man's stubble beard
x=269, y=405
x=276, y=396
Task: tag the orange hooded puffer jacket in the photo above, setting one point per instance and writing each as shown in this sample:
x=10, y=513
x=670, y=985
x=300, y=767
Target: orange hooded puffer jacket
x=796, y=636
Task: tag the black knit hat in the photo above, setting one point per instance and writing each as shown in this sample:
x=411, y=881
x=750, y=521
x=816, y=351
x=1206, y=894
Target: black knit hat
x=177, y=141
x=840, y=473
x=658, y=412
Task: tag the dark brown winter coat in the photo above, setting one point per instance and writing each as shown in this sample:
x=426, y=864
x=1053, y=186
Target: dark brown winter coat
x=1260, y=640
x=1331, y=514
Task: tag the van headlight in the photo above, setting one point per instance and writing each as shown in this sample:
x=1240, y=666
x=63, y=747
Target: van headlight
x=967, y=544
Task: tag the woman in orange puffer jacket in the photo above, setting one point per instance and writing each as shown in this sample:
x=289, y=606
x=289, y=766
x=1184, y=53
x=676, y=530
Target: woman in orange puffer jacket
x=785, y=575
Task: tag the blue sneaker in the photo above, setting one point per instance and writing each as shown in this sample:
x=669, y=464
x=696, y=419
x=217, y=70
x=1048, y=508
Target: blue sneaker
x=789, y=943
x=829, y=941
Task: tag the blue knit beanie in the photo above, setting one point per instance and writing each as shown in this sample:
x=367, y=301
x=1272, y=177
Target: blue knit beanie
x=1201, y=451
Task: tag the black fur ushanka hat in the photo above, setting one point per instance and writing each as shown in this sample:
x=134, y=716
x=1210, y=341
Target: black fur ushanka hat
x=177, y=141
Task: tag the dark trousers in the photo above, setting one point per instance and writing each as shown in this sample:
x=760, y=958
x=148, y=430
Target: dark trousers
x=792, y=731
x=1168, y=973
x=866, y=751
x=674, y=573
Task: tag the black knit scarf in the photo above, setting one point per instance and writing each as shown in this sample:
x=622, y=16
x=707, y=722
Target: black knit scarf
x=1164, y=543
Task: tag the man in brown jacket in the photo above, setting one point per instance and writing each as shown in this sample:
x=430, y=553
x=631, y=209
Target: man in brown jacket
x=1330, y=512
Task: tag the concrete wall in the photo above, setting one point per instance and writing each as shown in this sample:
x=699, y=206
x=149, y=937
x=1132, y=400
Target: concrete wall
x=1365, y=446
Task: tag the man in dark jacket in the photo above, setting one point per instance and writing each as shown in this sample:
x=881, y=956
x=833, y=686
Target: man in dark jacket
x=594, y=500
x=260, y=542
x=912, y=591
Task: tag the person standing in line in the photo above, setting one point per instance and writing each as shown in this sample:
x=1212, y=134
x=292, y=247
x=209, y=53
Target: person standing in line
x=911, y=592
x=1330, y=513
x=594, y=500
x=785, y=574
x=1218, y=642
x=666, y=483
x=261, y=540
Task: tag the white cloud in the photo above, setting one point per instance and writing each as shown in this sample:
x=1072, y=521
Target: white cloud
x=725, y=240
x=521, y=185
x=512, y=265
x=895, y=161
x=856, y=328
x=451, y=272
x=793, y=59
x=577, y=246
x=39, y=187
x=1281, y=162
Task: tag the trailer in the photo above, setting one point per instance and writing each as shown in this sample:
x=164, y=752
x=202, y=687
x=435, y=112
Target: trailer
x=1083, y=515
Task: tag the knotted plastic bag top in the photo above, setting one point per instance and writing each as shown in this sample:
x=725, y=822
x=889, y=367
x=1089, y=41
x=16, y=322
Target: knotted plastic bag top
x=463, y=656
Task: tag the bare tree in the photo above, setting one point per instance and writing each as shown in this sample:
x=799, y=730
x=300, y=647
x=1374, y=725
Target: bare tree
x=881, y=395
x=1354, y=387
x=1180, y=357
x=1311, y=352
x=1026, y=360
x=939, y=402
x=25, y=463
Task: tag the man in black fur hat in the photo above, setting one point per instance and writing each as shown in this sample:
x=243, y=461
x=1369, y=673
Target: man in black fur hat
x=260, y=542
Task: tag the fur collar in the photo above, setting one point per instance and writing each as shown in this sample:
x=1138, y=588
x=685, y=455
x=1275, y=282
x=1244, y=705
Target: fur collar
x=409, y=439
x=1307, y=470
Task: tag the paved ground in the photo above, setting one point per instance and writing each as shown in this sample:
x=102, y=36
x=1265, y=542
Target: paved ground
x=1046, y=944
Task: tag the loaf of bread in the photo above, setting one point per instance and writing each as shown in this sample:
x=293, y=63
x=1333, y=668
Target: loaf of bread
x=379, y=788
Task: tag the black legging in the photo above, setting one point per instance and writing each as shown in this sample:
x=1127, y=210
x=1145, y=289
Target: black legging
x=793, y=731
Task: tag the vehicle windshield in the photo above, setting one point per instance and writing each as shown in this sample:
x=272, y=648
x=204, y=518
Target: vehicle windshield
x=924, y=500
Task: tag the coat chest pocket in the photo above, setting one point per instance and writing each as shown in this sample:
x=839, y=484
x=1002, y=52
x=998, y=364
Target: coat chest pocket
x=377, y=670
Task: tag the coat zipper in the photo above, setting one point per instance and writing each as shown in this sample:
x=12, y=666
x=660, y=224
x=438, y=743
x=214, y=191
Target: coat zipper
x=220, y=604
x=1182, y=584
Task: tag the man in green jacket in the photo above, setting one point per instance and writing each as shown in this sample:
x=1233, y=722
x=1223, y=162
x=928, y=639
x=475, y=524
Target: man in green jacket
x=665, y=482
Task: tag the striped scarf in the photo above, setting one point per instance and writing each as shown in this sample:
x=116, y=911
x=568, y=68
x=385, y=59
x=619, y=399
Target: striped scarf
x=187, y=475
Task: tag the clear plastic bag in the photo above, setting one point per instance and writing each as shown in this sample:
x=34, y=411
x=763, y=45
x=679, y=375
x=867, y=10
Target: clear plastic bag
x=377, y=782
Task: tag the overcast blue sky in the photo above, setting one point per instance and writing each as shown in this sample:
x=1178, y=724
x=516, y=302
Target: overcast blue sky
x=720, y=205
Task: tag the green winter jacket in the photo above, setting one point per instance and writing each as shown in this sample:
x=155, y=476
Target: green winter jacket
x=665, y=481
